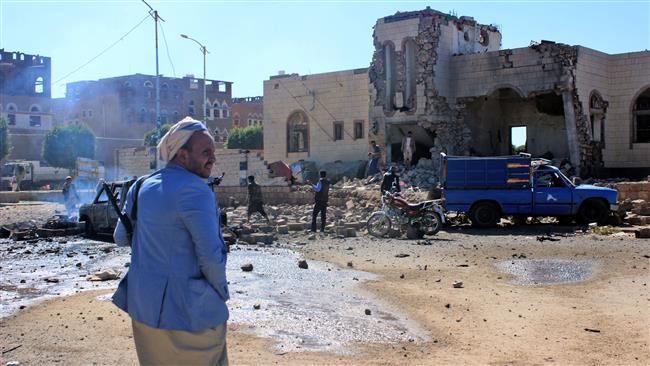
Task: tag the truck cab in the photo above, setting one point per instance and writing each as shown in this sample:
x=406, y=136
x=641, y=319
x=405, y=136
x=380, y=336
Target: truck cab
x=99, y=215
x=491, y=187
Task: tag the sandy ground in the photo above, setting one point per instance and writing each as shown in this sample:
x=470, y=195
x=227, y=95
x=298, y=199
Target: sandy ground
x=603, y=320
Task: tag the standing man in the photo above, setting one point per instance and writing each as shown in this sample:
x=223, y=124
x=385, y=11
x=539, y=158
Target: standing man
x=255, y=201
x=408, y=148
x=322, y=189
x=374, y=154
x=176, y=288
x=70, y=197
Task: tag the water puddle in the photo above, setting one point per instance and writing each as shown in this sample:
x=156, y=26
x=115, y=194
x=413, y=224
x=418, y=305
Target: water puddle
x=321, y=308
x=548, y=271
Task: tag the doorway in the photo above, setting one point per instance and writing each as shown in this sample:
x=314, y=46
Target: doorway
x=518, y=140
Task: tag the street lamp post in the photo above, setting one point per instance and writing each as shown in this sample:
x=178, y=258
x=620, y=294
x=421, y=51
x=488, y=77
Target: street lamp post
x=205, y=104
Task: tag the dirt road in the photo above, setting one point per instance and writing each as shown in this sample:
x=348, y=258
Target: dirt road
x=493, y=317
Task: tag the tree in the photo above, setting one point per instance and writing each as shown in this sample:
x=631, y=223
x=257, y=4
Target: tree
x=251, y=137
x=5, y=141
x=64, y=144
x=151, y=138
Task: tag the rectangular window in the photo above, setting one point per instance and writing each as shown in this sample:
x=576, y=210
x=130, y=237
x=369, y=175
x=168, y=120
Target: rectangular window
x=35, y=121
x=338, y=130
x=642, y=127
x=11, y=119
x=358, y=129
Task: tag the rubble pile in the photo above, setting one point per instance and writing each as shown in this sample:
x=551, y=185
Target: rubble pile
x=358, y=200
x=58, y=225
x=423, y=175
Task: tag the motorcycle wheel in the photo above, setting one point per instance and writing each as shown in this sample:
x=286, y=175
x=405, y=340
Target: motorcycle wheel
x=378, y=224
x=433, y=223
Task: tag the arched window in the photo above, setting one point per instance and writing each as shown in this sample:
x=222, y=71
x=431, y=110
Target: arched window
x=389, y=69
x=35, y=109
x=409, y=59
x=641, y=118
x=297, y=132
x=148, y=84
x=597, y=107
x=38, y=85
x=11, y=116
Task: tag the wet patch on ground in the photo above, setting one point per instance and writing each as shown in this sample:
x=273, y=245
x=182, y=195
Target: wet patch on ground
x=321, y=308
x=548, y=271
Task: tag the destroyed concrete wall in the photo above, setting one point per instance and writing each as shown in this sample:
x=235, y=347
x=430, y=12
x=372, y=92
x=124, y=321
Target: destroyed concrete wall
x=411, y=83
x=321, y=101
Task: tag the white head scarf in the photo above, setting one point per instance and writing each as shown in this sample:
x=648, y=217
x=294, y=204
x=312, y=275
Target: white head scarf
x=177, y=136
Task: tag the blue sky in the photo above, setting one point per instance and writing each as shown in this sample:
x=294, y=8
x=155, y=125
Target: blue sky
x=249, y=41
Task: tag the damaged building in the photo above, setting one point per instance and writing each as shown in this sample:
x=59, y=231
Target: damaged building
x=25, y=87
x=120, y=110
x=446, y=79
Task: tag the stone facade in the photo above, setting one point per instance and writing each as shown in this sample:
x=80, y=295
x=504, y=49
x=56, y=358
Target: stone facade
x=120, y=110
x=237, y=164
x=247, y=111
x=25, y=87
x=320, y=117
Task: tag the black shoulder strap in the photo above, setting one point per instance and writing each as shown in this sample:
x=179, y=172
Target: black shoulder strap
x=138, y=184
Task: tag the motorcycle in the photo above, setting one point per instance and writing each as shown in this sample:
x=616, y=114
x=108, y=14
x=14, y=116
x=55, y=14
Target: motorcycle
x=418, y=219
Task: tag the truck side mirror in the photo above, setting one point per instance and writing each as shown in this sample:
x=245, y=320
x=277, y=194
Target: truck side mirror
x=576, y=181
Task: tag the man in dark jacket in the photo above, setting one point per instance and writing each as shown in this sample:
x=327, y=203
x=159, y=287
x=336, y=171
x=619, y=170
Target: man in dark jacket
x=322, y=189
x=255, y=202
x=391, y=181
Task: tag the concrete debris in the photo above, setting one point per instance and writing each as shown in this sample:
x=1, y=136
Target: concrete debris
x=458, y=284
x=643, y=233
x=109, y=274
x=248, y=267
x=303, y=264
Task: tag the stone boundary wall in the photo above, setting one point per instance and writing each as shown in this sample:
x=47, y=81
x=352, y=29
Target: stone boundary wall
x=136, y=161
x=86, y=195
x=272, y=196
x=633, y=190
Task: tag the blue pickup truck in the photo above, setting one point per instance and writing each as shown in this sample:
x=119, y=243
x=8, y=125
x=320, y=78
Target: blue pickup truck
x=487, y=188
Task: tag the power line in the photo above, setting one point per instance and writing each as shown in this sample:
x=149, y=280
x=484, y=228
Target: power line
x=104, y=51
x=167, y=50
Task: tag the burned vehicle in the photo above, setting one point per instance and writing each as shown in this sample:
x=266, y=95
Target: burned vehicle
x=100, y=216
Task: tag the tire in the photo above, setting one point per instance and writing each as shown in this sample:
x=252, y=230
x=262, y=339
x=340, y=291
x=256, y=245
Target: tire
x=413, y=232
x=592, y=211
x=432, y=224
x=485, y=214
x=89, y=231
x=378, y=224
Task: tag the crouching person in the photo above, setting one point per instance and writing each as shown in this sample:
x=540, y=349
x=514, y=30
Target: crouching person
x=176, y=290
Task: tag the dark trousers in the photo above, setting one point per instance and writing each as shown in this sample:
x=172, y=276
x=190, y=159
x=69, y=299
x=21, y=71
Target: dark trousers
x=322, y=208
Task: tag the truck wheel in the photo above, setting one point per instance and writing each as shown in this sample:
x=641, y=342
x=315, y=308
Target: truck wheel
x=484, y=214
x=378, y=224
x=592, y=211
x=89, y=231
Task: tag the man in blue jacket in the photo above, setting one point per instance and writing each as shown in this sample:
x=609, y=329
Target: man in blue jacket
x=176, y=289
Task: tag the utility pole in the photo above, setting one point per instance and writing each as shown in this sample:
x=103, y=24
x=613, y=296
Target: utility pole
x=156, y=17
x=204, y=51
